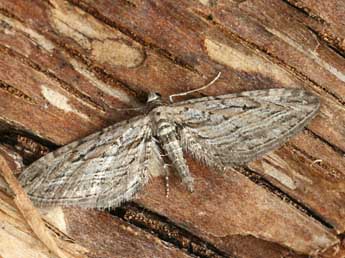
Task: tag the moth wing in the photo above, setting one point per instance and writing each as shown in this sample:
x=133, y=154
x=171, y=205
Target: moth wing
x=238, y=128
x=99, y=171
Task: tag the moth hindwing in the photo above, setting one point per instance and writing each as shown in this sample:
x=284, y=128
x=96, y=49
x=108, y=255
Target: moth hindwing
x=110, y=166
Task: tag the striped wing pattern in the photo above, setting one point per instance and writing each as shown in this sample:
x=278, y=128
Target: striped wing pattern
x=111, y=166
x=238, y=128
x=101, y=170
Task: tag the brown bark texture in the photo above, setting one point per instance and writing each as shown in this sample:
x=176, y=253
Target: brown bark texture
x=66, y=67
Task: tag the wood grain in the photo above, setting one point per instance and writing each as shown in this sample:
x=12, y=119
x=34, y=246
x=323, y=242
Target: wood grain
x=67, y=66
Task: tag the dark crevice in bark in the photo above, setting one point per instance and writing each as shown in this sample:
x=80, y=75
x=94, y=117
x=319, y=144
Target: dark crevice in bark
x=312, y=160
x=332, y=146
x=133, y=90
x=335, y=97
x=275, y=59
x=10, y=15
x=332, y=42
x=261, y=181
x=99, y=73
x=72, y=90
x=15, y=92
x=28, y=146
x=306, y=11
x=167, y=230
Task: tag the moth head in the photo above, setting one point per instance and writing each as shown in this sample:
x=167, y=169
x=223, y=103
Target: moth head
x=154, y=97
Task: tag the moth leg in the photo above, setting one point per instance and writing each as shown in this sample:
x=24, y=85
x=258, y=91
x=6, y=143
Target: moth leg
x=166, y=173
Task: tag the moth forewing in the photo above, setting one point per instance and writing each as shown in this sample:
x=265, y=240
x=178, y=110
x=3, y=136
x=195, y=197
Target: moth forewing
x=111, y=166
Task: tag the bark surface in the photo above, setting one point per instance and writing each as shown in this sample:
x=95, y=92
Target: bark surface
x=66, y=67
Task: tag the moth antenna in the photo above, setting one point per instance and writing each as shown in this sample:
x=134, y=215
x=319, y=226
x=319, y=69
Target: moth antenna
x=191, y=91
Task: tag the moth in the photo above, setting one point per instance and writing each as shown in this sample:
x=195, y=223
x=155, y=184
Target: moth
x=112, y=165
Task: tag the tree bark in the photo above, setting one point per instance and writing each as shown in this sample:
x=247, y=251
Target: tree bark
x=66, y=67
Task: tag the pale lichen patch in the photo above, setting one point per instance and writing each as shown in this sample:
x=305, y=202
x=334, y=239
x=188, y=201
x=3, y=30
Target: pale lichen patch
x=107, y=89
x=38, y=39
x=106, y=44
x=279, y=176
x=117, y=53
x=82, y=27
x=310, y=54
x=208, y=3
x=205, y=2
x=239, y=60
x=60, y=101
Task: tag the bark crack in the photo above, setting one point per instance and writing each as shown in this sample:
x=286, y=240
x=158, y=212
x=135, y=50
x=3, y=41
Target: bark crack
x=70, y=89
x=168, y=231
x=304, y=10
x=275, y=59
x=16, y=92
x=261, y=181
